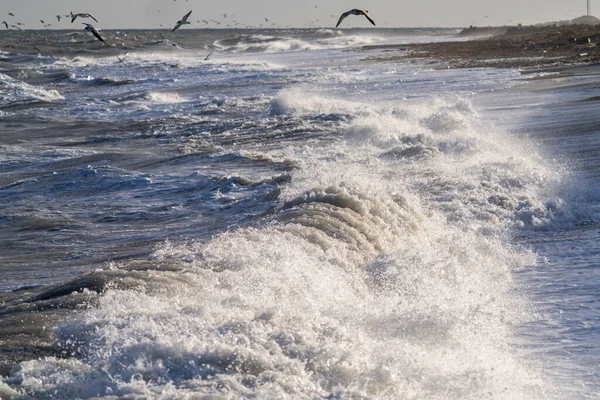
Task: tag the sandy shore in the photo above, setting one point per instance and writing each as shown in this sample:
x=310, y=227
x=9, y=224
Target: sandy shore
x=524, y=47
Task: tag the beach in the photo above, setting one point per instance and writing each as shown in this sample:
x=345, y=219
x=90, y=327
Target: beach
x=505, y=47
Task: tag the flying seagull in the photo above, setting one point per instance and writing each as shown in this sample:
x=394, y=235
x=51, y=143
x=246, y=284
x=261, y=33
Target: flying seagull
x=90, y=28
x=182, y=21
x=11, y=14
x=82, y=15
x=5, y=24
x=123, y=57
x=355, y=11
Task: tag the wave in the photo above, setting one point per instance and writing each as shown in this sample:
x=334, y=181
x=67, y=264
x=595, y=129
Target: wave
x=104, y=81
x=151, y=96
x=164, y=44
x=261, y=43
x=78, y=182
x=18, y=93
x=313, y=40
x=321, y=297
x=383, y=270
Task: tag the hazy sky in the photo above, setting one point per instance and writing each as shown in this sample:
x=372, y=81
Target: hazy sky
x=120, y=14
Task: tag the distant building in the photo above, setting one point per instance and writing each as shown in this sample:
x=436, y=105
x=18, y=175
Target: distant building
x=586, y=20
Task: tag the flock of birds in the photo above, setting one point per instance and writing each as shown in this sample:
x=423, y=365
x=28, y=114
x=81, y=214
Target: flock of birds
x=183, y=21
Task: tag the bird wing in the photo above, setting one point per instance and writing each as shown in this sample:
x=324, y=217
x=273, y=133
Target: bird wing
x=186, y=16
x=344, y=15
x=95, y=32
x=368, y=17
x=92, y=17
x=74, y=17
x=176, y=27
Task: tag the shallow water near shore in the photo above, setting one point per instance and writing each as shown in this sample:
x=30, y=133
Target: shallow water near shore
x=290, y=219
x=559, y=111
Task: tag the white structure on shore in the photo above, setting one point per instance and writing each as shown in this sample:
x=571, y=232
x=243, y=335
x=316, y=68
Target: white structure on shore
x=589, y=4
x=586, y=20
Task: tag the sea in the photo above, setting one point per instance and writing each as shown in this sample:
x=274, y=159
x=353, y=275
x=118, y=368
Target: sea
x=293, y=214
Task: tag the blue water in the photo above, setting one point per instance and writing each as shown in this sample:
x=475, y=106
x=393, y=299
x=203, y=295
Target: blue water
x=290, y=218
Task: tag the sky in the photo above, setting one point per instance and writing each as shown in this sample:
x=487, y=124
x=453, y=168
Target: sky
x=149, y=14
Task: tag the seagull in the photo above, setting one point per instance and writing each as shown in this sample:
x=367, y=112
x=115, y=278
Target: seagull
x=5, y=24
x=82, y=15
x=182, y=21
x=355, y=11
x=58, y=17
x=11, y=14
x=123, y=57
x=90, y=28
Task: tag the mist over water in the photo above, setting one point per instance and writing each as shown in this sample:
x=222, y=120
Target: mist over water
x=286, y=219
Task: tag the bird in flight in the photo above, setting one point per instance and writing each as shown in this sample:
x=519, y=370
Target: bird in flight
x=182, y=21
x=5, y=24
x=91, y=28
x=82, y=15
x=355, y=11
x=123, y=57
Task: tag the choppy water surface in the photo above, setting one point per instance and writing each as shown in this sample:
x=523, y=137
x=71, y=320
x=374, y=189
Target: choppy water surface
x=289, y=219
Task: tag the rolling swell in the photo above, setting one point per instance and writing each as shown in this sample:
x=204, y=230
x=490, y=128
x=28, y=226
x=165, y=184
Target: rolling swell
x=368, y=226
x=18, y=94
x=331, y=221
x=225, y=312
x=105, y=81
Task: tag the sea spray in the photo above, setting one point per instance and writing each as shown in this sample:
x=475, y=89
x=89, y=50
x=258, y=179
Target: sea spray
x=373, y=277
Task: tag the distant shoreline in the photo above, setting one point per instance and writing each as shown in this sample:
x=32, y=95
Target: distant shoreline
x=503, y=47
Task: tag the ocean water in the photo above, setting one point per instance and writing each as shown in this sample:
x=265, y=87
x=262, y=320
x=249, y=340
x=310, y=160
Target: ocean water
x=276, y=214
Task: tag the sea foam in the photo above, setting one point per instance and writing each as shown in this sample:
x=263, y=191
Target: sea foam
x=373, y=277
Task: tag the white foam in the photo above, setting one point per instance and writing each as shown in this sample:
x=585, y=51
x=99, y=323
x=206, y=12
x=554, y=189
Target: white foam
x=17, y=92
x=320, y=39
x=164, y=97
x=298, y=101
x=385, y=272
